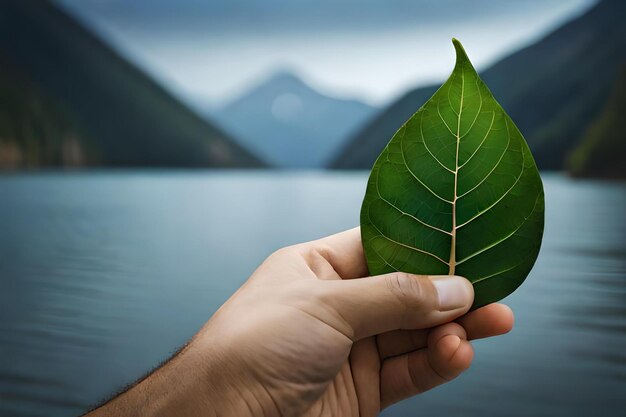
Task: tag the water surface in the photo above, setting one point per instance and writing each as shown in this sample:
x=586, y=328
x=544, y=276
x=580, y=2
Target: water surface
x=103, y=275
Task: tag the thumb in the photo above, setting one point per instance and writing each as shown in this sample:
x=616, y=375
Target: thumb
x=379, y=304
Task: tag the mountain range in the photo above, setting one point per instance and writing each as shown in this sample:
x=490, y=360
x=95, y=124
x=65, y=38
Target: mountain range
x=553, y=90
x=289, y=124
x=69, y=99
x=35, y=129
x=602, y=150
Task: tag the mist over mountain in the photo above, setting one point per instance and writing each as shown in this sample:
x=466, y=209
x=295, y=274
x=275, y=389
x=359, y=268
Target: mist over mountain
x=552, y=89
x=289, y=124
x=211, y=49
x=65, y=89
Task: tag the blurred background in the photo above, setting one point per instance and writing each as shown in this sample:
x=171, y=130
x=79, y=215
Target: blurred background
x=153, y=153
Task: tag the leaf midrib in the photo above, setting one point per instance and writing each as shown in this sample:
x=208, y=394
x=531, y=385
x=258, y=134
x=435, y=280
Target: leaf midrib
x=452, y=261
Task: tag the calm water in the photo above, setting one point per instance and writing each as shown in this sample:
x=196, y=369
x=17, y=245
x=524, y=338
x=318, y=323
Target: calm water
x=104, y=275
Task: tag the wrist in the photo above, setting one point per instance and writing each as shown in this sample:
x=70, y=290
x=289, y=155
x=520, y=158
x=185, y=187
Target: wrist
x=233, y=368
x=223, y=380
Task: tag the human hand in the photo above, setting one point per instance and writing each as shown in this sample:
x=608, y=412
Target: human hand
x=305, y=335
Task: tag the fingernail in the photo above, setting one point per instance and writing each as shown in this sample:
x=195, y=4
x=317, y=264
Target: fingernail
x=453, y=292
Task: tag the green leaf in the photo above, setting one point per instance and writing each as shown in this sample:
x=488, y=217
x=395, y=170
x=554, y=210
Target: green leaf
x=456, y=191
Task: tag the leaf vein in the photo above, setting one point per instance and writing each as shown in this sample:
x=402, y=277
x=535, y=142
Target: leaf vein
x=452, y=77
x=476, y=281
x=508, y=144
x=384, y=236
x=426, y=145
x=452, y=261
x=380, y=256
x=496, y=243
x=413, y=174
x=503, y=195
x=493, y=118
x=443, y=120
x=480, y=107
x=408, y=214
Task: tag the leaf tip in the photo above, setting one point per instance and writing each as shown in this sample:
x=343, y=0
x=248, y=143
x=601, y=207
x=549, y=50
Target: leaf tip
x=461, y=55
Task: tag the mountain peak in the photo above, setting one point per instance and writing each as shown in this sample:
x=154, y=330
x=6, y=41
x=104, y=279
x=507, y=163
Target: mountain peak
x=289, y=123
x=277, y=84
x=284, y=75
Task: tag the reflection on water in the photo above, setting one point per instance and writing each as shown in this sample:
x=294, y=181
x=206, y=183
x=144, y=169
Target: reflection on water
x=104, y=275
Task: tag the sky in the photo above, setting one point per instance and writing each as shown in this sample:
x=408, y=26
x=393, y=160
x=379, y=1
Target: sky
x=210, y=51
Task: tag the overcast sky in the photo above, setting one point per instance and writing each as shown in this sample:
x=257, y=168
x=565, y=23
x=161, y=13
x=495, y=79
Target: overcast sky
x=211, y=50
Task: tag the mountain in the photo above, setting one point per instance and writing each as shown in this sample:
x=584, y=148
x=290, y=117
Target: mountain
x=602, y=151
x=107, y=112
x=289, y=124
x=35, y=129
x=552, y=89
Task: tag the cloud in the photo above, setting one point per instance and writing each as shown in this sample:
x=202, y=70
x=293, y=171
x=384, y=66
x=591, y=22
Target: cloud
x=240, y=17
x=371, y=49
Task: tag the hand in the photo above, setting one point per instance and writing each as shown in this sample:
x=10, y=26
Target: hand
x=307, y=336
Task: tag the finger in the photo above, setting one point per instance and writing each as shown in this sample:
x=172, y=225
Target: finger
x=491, y=320
x=343, y=251
x=398, y=342
x=374, y=305
x=488, y=321
x=448, y=354
x=365, y=365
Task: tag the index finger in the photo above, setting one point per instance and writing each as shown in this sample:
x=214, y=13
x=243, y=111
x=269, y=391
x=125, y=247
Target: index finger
x=490, y=320
x=344, y=252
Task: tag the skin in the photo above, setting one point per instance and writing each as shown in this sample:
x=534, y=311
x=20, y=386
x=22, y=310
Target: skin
x=306, y=335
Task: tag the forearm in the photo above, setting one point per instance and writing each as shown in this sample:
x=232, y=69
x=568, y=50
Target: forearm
x=181, y=387
x=201, y=380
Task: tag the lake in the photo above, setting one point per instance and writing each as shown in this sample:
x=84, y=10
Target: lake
x=103, y=275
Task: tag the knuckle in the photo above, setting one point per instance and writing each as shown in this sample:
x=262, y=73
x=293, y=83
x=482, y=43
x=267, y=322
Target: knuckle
x=298, y=249
x=282, y=252
x=313, y=252
x=409, y=289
